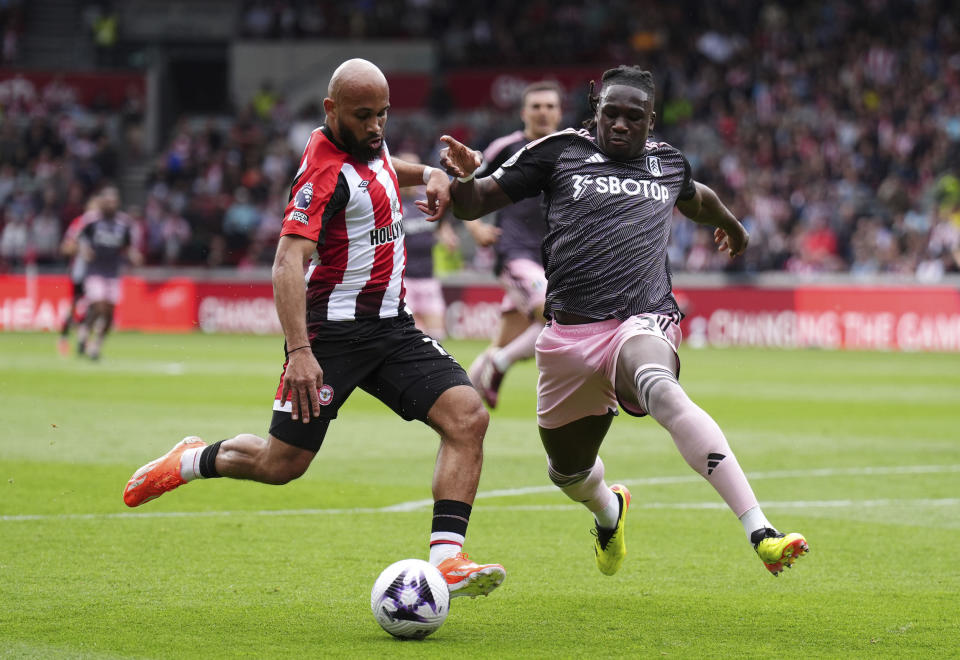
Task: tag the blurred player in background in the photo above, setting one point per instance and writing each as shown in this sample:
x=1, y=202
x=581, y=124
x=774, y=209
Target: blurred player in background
x=348, y=328
x=516, y=239
x=424, y=295
x=69, y=247
x=103, y=245
x=613, y=334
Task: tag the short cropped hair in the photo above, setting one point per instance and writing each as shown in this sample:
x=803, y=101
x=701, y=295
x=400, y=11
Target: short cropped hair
x=632, y=76
x=540, y=86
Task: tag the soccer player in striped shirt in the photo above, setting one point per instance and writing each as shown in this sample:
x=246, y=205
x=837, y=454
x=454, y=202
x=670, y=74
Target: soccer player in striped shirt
x=613, y=335
x=349, y=327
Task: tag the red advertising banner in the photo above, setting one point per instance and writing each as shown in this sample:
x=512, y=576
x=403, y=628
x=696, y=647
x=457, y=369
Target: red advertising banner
x=33, y=303
x=236, y=307
x=877, y=318
x=834, y=317
x=167, y=306
x=473, y=312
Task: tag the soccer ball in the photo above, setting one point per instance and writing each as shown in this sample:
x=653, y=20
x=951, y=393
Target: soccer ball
x=410, y=599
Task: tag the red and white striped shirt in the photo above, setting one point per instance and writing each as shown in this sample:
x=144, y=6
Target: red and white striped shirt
x=352, y=210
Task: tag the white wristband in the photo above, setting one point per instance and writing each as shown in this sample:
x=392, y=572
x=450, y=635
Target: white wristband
x=469, y=177
x=427, y=171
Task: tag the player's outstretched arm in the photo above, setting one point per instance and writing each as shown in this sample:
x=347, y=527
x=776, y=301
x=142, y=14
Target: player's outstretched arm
x=472, y=198
x=438, y=186
x=303, y=375
x=705, y=208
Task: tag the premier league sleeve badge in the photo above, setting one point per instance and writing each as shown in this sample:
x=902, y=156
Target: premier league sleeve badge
x=304, y=197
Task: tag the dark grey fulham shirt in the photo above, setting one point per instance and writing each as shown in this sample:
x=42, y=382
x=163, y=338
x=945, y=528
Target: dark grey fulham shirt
x=608, y=222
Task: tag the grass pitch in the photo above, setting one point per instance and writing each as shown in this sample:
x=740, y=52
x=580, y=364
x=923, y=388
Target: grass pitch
x=858, y=451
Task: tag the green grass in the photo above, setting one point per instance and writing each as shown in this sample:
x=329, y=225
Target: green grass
x=82, y=576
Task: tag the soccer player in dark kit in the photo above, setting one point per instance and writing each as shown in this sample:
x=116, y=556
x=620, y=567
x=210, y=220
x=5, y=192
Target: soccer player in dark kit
x=348, y=327
x=613, y=335
x=103, y=245
x=70, y=247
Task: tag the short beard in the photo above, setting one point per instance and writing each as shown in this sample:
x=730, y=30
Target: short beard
x=357, y=149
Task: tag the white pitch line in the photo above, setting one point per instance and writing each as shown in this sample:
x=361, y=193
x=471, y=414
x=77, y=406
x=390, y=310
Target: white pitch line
x=795, y=504
x=694, y=478
x=417, y=505
x=789, y=504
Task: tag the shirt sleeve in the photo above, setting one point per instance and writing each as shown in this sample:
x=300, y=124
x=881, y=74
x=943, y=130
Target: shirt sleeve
x=491, y=162
x=317, y=195
x=527, y=173
x=687, y=189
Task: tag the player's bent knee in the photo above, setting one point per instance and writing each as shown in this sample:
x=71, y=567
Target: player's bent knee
x=471, y=427
x=476, y=422
x=460, y=416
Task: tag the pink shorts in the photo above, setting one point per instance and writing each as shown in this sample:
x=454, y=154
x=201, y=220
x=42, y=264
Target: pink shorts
x=424, y=296
x=525, y=285
x=97, y=288
x=578, y=365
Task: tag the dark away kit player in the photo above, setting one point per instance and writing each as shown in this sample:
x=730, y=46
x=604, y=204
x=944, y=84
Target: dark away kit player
x=613, y=333
x=102, y=245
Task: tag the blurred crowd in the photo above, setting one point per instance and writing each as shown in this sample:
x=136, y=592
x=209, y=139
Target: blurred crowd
x=831, y=129
x=11, y=29
x=835, y=129
x=535, y=32
x=54, y=153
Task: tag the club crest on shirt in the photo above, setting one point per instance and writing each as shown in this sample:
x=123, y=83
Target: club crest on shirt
x=653, y=166
x=325, y=394
x=304, y=197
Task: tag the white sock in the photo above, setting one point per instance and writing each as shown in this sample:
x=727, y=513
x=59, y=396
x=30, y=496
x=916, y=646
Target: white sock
x=753, y=520
x=444, y=545
x=190, y=464
x=608, y=516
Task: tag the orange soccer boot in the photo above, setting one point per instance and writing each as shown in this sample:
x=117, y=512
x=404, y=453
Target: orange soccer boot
x=468, y=578
x=160, y=475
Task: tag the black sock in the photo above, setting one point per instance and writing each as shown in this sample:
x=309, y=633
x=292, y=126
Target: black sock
x=451, y=516
x=208, y=459
x=763, y=533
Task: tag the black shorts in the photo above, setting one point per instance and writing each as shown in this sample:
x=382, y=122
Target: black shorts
x=77, y=289
x=388, y=358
